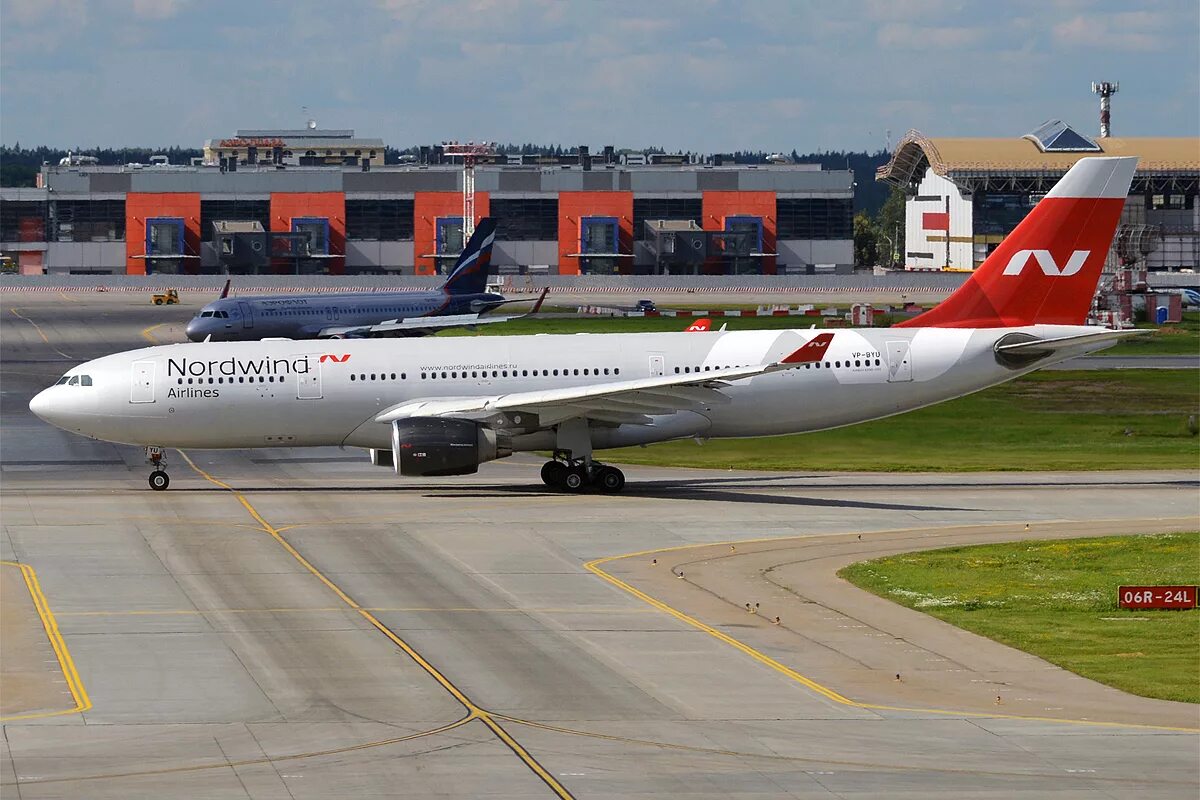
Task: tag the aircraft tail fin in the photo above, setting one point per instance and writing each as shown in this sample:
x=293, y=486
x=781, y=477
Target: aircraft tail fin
x=701, y=325
x=1045, y=271
x=470, y=272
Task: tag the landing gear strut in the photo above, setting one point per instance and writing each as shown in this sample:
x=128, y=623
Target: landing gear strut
x=577, y=474
x=159, y=479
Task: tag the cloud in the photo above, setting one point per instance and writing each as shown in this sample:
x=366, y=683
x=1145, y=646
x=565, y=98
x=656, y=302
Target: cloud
x=1133, y=31
x=904, y=35
x=157, y=9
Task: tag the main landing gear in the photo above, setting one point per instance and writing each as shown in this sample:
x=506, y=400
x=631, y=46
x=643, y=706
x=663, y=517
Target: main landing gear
x=159, y=479
x=578, y=474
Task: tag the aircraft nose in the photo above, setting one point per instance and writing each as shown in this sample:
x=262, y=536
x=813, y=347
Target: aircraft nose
x=194, y=330
x=41, y=404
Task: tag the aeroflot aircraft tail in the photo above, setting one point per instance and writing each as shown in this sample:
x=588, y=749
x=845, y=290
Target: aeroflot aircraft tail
x=470, y=272
x=1047, y=269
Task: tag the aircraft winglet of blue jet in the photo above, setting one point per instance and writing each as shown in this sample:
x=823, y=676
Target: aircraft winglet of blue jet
x=460, y=301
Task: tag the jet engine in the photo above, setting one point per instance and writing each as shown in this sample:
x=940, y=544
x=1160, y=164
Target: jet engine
x=431, y=446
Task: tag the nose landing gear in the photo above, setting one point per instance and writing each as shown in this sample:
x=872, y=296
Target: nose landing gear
x=159, y=479
x=577, y=474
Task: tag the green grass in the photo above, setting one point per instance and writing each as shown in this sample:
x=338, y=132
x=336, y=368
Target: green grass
x=1044, y=421
x=1166, y=340
x=1058, y=601
x=520, y=327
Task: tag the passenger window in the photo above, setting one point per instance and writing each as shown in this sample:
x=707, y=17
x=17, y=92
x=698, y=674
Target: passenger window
x=351, y=376
x=556, y=373
x=616, y=370
x=856, y=363
x=676, y=370
x=576, y=372
x=606, y=370
x=474, y=374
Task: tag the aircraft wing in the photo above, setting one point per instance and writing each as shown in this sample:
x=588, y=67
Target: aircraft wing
x=631, y=402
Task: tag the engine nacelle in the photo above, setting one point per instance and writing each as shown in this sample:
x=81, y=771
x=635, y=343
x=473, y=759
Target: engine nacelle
x=431, y=446
x=382, y=458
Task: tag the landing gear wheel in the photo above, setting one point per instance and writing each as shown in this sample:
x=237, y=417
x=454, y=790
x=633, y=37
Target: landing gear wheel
x=553, y=473
x=159, y=480
x=610, y=480
x=575, y=480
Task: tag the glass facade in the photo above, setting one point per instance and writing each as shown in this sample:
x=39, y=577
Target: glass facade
x=997, y=214
x=664, y=208
x=525, y=220
x=814, y=218
x=87, y=220
x=213, y=210
x=23, y=221
x=383, y=220
x=599, y=235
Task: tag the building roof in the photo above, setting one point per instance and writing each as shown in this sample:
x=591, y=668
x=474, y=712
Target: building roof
x=950, y=156
x=302, y=143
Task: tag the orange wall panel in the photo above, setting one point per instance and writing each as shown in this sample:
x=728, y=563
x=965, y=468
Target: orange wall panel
x=140, y=206
x=716, y=206
x=286, y=206
x=427, y=208
x=573, y=206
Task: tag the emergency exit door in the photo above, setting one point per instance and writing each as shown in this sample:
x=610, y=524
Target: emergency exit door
x=899, y=361
x=657, y=365
x=308, y=384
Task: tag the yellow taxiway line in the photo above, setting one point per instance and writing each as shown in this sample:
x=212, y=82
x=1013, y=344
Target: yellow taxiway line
x=42, y=334
x=65, y=662
x=595, y=567
x=474, y=710
x=148, y=333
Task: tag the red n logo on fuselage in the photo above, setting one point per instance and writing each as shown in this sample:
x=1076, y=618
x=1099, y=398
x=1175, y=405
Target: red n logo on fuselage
x=330, y=357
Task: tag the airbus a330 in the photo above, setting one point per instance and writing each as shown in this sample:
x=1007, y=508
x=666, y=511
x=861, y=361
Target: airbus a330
x=443, y=406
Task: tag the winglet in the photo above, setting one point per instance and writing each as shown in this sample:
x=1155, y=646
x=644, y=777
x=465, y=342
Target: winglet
x=538, y=305
x=812, y=351
x=700, y=325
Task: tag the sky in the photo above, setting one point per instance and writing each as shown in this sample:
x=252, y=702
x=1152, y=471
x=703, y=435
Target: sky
x=687, y=75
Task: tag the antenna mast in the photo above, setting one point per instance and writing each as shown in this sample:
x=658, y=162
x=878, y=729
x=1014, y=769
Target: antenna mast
x=470, y=153
x=1106, y=90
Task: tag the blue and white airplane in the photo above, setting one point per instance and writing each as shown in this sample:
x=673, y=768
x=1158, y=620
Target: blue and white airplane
x=459, y=302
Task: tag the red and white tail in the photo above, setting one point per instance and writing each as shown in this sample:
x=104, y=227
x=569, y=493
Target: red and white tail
x=700, y=325
x=1047, y=269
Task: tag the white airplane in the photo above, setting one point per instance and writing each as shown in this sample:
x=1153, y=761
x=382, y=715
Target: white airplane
x=431, y=407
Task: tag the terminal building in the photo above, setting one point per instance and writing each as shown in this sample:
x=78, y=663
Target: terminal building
x=966, y=195
x=323, y=201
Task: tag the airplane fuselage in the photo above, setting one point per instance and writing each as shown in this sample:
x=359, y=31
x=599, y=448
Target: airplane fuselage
x=305, y=316
x=312, y=393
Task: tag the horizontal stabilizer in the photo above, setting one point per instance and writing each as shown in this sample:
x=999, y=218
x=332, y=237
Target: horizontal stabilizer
x=1063, y=342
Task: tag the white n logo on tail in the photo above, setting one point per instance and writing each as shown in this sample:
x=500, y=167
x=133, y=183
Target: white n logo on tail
x=1046, y=262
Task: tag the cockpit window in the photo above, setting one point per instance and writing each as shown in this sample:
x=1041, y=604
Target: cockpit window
x=74, y=381
x=62, y=380
x=206, y=313
x=85, y=380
